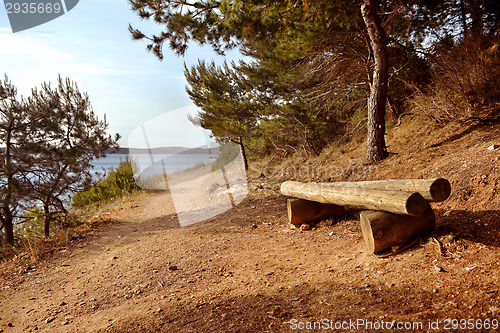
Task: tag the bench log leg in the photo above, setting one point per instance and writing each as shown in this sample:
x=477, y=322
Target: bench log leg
x=383, y=230
x=303, y=211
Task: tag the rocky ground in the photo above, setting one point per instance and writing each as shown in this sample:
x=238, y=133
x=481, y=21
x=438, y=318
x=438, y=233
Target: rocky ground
x=248, y=271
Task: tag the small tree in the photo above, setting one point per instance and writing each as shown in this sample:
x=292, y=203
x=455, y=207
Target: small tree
x=227, y=106
x=63, y=145
x=15, y=118
x=50, y=139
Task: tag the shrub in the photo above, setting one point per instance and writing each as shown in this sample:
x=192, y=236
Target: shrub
x=465, y=85
x=117, y=182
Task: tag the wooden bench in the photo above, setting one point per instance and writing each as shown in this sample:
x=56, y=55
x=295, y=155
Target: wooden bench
x=398, y=210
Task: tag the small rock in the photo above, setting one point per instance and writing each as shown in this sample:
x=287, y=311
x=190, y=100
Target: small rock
x=451, y=304
x=494, y=147
x=158, y=310
x=65, y=322
x=305, y=226
x=448, y=239
x=438, y=268
x=173, y=268
x=49, y=320
x=254, y=226
x=62, y=303
x=365, y=285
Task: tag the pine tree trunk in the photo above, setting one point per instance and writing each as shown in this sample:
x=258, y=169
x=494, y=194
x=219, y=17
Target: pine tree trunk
x=376, y=150
x=243, y=153
x=8, y=227
x=6, y=204
x=476, y=29
x=47, y=220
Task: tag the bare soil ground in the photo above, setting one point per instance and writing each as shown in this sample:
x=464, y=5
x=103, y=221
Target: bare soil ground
x=247, y=271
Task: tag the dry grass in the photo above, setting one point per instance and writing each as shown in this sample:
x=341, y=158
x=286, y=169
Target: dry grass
x=465, y=88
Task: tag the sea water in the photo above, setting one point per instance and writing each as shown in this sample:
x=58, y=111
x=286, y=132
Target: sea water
x=171, y=162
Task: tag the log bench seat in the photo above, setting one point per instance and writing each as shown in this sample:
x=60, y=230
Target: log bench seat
x=397, y=210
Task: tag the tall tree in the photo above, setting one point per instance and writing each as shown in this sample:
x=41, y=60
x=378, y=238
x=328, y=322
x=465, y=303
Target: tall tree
x=50, y=140
x=376, y=149
x=262, y=29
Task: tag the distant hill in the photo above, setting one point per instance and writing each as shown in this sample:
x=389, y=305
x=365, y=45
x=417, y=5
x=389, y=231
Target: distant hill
x=158, y=150
x=164, y=150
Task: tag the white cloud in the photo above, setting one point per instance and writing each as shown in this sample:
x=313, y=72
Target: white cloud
x=24, y=45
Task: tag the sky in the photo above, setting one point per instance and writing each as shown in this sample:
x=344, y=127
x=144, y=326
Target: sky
x=91, y=45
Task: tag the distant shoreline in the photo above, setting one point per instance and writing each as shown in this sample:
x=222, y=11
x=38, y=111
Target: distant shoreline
x=158, y=150
x=164, y=150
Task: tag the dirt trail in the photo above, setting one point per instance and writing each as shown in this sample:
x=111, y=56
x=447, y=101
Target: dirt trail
x=247, y=271
x=91, y=276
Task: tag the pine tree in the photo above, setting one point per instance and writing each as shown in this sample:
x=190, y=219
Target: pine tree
x=227, y=106
x=50, y=140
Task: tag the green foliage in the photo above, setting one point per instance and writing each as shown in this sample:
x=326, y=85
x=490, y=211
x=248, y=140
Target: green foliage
x=228, y=152
x=50, y=140
x=34, y=223
x=228, y=108
x=120, y=180
x=312, y=64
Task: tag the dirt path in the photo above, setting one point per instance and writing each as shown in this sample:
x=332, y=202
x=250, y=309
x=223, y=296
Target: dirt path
x=243, y=271
x=247, y=271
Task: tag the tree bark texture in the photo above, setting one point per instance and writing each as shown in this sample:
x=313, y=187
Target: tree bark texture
x=304, y=211
x=376, y=149
x=383, y=230
x=398, y=202
x=433, y=190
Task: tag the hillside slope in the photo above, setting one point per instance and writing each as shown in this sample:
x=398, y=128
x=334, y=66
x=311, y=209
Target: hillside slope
x=247, y=271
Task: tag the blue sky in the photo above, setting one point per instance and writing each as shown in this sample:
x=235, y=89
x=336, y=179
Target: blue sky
x=92, y=46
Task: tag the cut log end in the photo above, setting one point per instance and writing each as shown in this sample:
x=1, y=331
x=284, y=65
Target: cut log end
x=416, y=204
x=383, y=230
x=440, y=190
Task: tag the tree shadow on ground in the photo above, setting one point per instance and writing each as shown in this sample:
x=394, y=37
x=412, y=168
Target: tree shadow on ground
x=484, y=127
x=326, y=304
x=479, y=227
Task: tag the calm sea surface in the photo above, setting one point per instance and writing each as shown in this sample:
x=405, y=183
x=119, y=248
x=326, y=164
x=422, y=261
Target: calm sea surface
x=170, y=162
